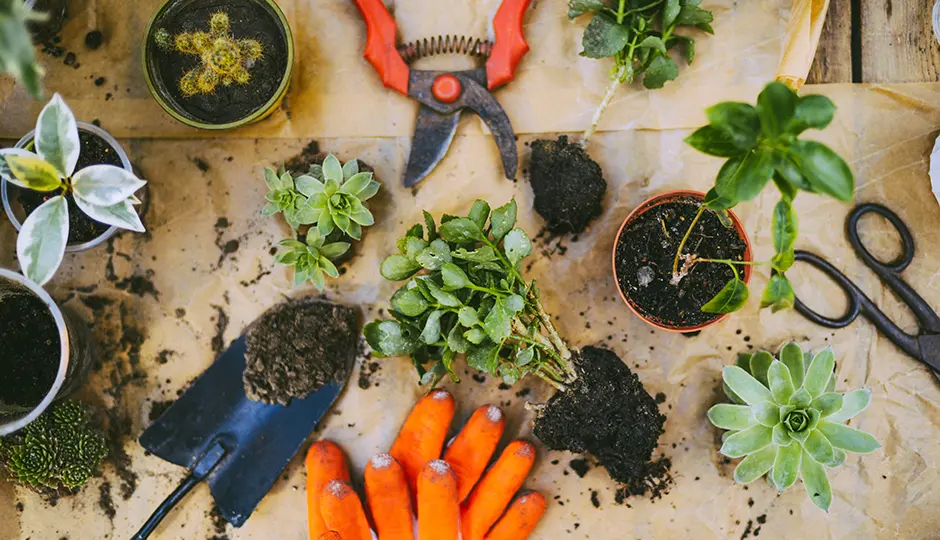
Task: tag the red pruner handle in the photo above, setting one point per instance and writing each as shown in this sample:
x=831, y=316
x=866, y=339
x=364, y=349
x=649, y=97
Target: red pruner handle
x=510, y=45
x=381, y=45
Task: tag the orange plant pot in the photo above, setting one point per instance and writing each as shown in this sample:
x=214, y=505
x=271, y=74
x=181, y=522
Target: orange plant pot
x=653, y=202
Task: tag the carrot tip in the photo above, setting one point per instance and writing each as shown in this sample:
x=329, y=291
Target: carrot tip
x=441, y=395
x=493, y=413
x=439, y=466
x=526, y=449
x=339, y=489
x=382, y=461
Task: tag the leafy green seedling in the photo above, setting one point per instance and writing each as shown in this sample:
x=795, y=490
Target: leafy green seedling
x=787, y=421
x=464, y=294
x=312, y=259
x=761, y=145
x=17, y=53
x=104, y=193
x=638, y=35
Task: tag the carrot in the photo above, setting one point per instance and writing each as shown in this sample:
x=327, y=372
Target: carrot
x=389, y=500
x=422, y=437
x=521, y=518
x=471, y=451
x=330, y=535
x=343, y=513
x=487, y=503
x=324, y=462
x=437, y=502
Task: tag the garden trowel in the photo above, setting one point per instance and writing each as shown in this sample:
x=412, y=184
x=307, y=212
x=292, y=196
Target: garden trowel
x=239, y=446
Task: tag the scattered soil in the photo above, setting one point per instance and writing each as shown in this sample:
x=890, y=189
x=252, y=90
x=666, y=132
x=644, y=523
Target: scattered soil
x=580, y=466
x=105, y=501
x=221, y=324
x=94, y=151
x=301, y=163
x=568, y=185
x=248, y=20
x=645, y=255
x=367, y=371
x=93, y=40
x=31, y=346
x=297, y=347
x=608, y=414
x=158, y=408
x=140, y=285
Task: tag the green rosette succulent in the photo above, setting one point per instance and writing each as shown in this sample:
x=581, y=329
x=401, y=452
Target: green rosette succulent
x=787, y=422
x=313, y=259
x=335, y=196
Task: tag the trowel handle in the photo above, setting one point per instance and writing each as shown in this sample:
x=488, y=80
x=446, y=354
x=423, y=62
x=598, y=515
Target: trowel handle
x=185, y=487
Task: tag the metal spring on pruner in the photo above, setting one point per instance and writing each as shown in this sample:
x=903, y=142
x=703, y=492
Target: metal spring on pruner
x=445, y=45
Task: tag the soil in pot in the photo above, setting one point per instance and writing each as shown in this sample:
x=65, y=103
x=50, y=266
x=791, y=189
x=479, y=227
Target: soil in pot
x=297, y=347
x=94, y=151
x=568, y=185
x=645, y=253
x=248, y=19
x=31, y=347
x=608, y=414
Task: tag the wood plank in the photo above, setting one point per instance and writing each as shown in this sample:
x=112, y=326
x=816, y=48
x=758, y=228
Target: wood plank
x=833, y=62
x=897, y=41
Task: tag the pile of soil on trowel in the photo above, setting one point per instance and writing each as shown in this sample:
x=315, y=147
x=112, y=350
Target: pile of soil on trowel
x=297, y=347
x=568, y=185
x=608, y=414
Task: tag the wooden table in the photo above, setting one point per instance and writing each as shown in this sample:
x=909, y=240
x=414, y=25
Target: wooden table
x=875, y=41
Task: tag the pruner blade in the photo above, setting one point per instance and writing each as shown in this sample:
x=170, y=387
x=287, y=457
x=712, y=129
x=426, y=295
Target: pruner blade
x=433, y=134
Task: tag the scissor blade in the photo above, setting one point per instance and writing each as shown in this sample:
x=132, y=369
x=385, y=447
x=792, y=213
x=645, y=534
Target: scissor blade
x=488, y=108
x=433, y=134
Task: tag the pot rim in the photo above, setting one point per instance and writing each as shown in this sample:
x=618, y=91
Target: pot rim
x=94, y=130
x=649, y=204
x=256, y=116
x=19, y=423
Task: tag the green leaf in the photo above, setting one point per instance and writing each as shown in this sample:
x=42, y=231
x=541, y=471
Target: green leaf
x=307, y=185
x=801, y=398
x=429, y=223
x=816, y=482
x=497, y=323
x=517, y=246
x=33, y=172
x=784, y=227
x=792, y=356
x=837, y=460
x=387, y=339
x=461, y=231
x=828, y=404
x=786, y=466
x=479, y=213
x=503, y=220
x=41, y=242
x=714, y=142
x=514, y=304
x=782, y=437
x=456, y=341
x=745, y=386
x=781, y=262
x=432, y=327
x=454, y=278
x=755, y=465
x=766, y=413
x=351, y=169
x=576, y=8
x=398, y=268
x=733, y=417
x=747, y=441
x=748, y=178
x=813, y=111
x=688, y=48
x=778, y=294
x=475, y=335
x=332, y=170
x=775, y=107
x=731, y=298
x=819, y=372
x=693, y=15
x=781, y=383
x=717, y=202
x=818, y=447
x=56, y=136
x=468, y=317
x=738, y=121
x=760, y=365
x=333, y=250
x=483, y=254
x=670, y=13
x=409, y=302
x=483, y=357
x=433, y=375
x=853, y=403
x=410, y=246
x=525, y=356
x=603, y=37
x=660, y=70
x=443, y=297
x=825, y=170
x=655, y=43
x=434, y=256
x=105, y=185
x=846, y=438
x=122, y=214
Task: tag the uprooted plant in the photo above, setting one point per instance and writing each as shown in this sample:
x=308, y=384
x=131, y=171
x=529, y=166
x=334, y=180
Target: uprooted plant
x=321, y=207
x=762, y=144
x=786, y=420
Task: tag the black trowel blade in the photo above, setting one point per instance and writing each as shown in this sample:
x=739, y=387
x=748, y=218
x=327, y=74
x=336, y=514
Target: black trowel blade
x=259, y=439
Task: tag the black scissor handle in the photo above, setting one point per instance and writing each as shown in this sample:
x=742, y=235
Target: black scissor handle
x=907, y=239
x=853, y=293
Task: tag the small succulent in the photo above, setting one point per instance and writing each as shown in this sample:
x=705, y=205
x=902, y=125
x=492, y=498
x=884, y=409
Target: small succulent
x=60, y=448
x=104, y=193
x=335, y=196
x=283, y=197
x=313, y=259
x=17, y=54
x=787, y=421
x=223, y=59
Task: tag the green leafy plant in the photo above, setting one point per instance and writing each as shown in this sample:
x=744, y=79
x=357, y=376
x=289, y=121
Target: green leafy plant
x=761, y=145
x=464, y=295
x=60, y=448
x=786, y=420
x=638, y=35
x=17, y=54
x=104, y=193
x=326, y=204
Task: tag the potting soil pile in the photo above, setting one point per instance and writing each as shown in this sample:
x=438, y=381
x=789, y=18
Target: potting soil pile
x=166, y=303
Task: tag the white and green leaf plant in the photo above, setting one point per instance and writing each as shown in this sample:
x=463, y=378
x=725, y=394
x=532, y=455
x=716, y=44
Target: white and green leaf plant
x=787, y=421
x=104, y=193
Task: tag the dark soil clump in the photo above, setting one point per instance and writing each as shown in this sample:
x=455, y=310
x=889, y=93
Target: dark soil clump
x=297, y=347
x=31, y=347
x=645, y=256
x=608, y=414
x=94, y=151
x=568, y=185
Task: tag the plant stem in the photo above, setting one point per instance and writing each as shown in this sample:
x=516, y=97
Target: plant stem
x=558, y=386
x=688, y=233
x=608, y=97
x=732, y=263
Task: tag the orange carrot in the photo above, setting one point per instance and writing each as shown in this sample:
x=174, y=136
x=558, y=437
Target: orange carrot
x=330, y=535
x=389, y=500
x=422, y=437
x=343, y=513
x=471, y=451
x=487, y=503
x=325, y=462
x=437, y=502
x=521, y=518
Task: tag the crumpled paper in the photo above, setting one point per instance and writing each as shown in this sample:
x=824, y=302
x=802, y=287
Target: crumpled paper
x=196, y=280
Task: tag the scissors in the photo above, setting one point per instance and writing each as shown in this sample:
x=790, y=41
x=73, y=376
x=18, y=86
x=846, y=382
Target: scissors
x=443, y=95
x=925, y=346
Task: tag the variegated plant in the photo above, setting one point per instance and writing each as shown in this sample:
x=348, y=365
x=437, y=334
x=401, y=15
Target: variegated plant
x=17, y=53
x=787, y=421
x=105, y=193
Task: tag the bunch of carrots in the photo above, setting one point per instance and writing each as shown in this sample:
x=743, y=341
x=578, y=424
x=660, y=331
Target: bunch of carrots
x=449, y=494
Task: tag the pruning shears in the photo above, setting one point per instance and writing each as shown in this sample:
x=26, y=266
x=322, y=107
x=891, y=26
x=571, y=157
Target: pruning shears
x=443, y=95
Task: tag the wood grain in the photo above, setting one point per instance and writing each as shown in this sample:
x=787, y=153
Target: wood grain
x=833, y=62
x=897, y=41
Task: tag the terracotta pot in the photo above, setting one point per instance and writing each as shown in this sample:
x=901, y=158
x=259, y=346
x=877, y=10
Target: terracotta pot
x=643, y=208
